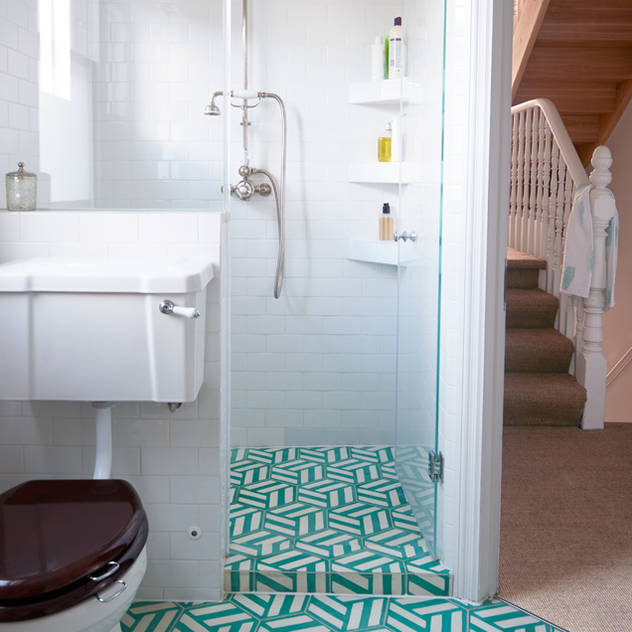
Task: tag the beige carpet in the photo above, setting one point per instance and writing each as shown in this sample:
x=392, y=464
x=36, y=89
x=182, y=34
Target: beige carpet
x=566, y=527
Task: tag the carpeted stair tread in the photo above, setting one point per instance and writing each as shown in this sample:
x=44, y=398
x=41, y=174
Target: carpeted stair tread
x=521, y=260
x=546, y=399
x=530, y=308
x=535, y=350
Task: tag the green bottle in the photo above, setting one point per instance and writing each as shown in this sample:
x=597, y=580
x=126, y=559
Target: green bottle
x=386, y=57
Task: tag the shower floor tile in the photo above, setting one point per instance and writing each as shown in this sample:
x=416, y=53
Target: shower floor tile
x=325, y=519
x=266, y=612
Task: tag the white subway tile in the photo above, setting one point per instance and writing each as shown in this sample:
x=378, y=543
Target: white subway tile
x=26, y=431
x=195, y=489
x=184, y=548
x=174, y=461
x=40, y=459
x=11, y=459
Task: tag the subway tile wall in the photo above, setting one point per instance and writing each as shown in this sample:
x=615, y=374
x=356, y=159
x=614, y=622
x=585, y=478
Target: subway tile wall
x=318, y=365
x=172, y=459
x=19, y=45
x=159, y=61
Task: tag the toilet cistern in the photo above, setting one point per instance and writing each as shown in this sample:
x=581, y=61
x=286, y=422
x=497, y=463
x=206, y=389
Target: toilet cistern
x=103, y=330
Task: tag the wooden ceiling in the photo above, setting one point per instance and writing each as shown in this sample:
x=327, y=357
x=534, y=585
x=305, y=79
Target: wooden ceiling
x=579, y=55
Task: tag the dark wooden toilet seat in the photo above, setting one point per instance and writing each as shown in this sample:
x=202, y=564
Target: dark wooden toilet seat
x=62, y=541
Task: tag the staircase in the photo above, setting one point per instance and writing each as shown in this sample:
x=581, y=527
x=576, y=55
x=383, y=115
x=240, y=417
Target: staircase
x=538, y=387
x=578, y=54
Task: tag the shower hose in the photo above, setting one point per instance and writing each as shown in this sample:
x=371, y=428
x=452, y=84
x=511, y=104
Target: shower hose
x=279, y=195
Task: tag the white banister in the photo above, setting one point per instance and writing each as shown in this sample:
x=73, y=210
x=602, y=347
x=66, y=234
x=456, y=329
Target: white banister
x=545, y=173
x=591, y=364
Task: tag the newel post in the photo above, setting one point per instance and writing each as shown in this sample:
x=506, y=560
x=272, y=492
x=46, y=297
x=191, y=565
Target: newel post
x=591, y=362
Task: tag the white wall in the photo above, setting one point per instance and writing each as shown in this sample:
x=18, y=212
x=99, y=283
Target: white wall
x=617, y=333
x=159, y=61
x=172, y=460
x=318, y=365
x=66, y=138
x=18, y=88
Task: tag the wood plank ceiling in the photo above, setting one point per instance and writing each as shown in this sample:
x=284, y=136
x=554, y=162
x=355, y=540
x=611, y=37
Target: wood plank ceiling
x=578, y=53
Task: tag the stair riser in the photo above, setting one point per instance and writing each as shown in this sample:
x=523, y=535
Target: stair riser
x=512, y=418
x=542, y=351
x=535, y=317
x=522, y=279
x=532, y=363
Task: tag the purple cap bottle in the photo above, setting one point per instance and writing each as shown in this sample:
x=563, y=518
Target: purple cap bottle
x=398, y=21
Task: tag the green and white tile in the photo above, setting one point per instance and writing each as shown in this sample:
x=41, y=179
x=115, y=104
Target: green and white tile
x=297, y=512
x=268, y=612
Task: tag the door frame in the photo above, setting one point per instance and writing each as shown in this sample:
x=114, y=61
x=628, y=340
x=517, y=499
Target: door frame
x=478, y=475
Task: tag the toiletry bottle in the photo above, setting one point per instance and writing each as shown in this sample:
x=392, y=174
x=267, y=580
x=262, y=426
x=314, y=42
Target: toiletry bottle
x=396, y=51
x=377, y=59
x=386, y=223
x=384, y=145
x=396, y=139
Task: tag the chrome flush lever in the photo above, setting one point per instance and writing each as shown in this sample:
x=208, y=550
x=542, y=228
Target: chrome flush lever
x=170, y=308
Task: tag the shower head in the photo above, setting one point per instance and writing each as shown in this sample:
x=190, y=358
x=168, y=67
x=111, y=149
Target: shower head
x=212, y=109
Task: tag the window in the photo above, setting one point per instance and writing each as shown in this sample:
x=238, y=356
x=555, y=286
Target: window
x=54, y=26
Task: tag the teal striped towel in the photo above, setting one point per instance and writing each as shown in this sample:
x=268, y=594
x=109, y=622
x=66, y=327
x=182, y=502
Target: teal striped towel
x=579, y=254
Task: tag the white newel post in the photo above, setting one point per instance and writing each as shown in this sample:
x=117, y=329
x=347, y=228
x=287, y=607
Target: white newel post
x=591, y=362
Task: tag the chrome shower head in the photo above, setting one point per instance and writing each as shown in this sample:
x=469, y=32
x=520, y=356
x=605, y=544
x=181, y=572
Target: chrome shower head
x=212, y=109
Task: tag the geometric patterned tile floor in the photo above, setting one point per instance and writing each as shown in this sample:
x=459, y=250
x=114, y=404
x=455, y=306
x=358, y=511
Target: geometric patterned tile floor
x=325, y=520
x=267, y=612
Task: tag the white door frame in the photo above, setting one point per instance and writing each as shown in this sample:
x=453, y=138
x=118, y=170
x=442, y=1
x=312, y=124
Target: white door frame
x=487, y=198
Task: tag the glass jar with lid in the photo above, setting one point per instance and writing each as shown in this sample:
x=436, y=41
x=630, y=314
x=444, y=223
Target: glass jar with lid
x=21, y=190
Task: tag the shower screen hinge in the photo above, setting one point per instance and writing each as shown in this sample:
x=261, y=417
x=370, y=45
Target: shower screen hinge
x=435, y=467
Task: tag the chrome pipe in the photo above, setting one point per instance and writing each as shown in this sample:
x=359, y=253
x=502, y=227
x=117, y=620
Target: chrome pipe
x=244, y=46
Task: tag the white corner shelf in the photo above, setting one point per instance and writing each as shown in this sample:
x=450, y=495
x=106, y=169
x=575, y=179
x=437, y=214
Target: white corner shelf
x=384, y=252
x=385, y=172
x=384, y=92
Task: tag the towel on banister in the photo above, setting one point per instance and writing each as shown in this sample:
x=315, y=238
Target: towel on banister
x=579, y=253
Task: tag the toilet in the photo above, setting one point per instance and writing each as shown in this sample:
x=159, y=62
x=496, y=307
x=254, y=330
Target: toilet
x=73, y=552
x=73, y=555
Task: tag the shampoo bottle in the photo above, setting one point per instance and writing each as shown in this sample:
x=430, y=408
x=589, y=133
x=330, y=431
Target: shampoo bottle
x=396, y=51
x=386, y=223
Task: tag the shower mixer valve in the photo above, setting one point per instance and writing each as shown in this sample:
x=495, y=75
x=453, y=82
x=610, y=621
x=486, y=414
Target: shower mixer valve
x=244, y=189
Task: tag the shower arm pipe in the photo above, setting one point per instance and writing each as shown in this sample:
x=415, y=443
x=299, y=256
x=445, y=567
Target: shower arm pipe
x=244, y=44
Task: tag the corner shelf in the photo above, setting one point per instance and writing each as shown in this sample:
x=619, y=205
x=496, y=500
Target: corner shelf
x=384, y=252
x=385, y=172
x=385, y=92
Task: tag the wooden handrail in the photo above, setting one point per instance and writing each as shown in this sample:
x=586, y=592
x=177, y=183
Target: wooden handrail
x=560, y=133
x=619, y=366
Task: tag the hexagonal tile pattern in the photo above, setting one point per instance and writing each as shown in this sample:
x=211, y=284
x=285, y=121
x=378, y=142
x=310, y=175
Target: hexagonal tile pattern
x=325, y=519
x=273, y=612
